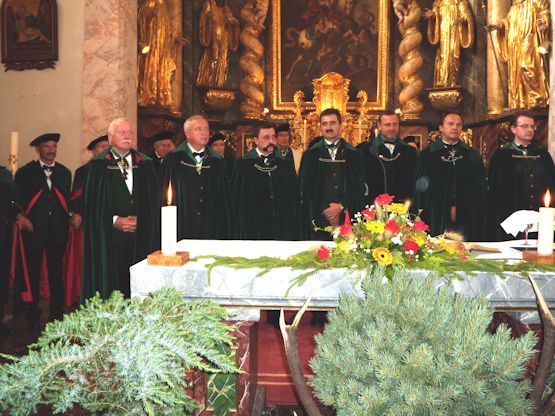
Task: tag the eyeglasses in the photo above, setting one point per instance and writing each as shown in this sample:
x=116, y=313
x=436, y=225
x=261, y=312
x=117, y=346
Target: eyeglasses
x=527, y=126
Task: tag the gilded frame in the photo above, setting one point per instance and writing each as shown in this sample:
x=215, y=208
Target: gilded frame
x=376, y=102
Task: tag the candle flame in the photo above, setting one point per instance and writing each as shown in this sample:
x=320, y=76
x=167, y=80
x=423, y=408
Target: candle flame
x=547, y=198
x=170, y=193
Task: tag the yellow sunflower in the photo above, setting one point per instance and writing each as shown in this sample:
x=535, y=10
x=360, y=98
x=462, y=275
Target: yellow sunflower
x=383, y=256
x=397, y=208
x=375, y=226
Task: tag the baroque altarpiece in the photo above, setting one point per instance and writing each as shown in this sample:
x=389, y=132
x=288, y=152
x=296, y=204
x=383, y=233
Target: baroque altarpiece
x=240, y=62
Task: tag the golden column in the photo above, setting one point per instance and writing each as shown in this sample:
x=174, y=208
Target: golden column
x=496, y=69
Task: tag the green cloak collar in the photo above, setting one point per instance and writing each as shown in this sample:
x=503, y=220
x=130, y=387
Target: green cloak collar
x=438, y=145
x=184, y=147
x=104, y=155
x=378, y=141
x=320, y=144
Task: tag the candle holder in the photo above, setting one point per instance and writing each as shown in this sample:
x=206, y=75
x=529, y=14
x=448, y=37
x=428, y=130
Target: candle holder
x=159, y=259
x=12, y=164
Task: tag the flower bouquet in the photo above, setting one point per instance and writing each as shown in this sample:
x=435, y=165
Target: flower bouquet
x=387, y=235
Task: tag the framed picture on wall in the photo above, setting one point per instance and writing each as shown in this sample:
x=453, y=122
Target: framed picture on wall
x=29, y=34
x=313, y=38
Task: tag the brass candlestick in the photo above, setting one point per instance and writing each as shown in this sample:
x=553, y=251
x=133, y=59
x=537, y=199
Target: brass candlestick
x=12, y=164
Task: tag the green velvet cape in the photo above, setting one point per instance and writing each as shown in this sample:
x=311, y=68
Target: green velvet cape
x=99, y=268
x=216, y=218
x=266, y=199
x=311, y=178
x=434, y=180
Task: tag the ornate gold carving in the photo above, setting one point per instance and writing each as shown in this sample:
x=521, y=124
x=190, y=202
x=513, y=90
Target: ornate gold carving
x=253, y=15
x=330, y=91
x=218, y=101
x=280, y=104
x=409, y=13
x=445, y=99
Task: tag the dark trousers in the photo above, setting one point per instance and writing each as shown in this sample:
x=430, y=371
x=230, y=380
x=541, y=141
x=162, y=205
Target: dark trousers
x=124, y=250
x=5, y=259
x=54, y=258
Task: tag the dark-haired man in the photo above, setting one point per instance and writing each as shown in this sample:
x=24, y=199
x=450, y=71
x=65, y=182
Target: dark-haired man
x=332, y=177
x=519, y=174
x=200, y=184
x=390, y=162
x=43, y=187
x=451, y=183
x=265, y=192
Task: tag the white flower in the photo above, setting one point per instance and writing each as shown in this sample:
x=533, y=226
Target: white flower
x=397, y=240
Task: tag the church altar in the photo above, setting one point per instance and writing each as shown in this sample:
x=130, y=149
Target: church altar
x=245, y=293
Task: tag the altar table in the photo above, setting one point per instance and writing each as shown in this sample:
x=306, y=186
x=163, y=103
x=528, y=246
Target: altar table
x=245, y=293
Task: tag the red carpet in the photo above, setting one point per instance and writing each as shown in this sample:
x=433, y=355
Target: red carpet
x=273, y=370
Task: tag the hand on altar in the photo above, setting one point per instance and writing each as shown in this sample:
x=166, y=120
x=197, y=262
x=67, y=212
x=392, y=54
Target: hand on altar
x=76, y=221
x=333, y=213
x=23, y=223
x=126, y=224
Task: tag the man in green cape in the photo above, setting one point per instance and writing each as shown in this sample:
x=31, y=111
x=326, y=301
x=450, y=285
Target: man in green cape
x=265, y=192
x=451, y=184
x=120, y=213
x=199, y=181
x=332, y=178
x=8, y=212
x=520, y=173
x=390, y=162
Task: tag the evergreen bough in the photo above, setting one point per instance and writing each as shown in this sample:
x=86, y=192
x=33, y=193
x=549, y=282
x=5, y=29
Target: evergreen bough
x=409, y=349
x=120, y=357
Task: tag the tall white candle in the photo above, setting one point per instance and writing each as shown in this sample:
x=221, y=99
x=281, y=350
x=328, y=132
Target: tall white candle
x=545, y=227
x=14, y=142
x=169, y=226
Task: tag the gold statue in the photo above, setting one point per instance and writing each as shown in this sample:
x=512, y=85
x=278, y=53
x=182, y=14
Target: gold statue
x=523, y=45
x=157, y=56
x=450, y=23
x=218, y=33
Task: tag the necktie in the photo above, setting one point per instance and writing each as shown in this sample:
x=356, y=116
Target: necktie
x=123, y=165
x=198, y=154
x=48, y=173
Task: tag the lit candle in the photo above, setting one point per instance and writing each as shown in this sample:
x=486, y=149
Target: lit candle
x=169, y=226
x=545, y=227
x=14, y=142
x=304, y=131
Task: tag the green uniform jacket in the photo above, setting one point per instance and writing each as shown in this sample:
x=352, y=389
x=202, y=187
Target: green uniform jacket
x=179, y=167
x=99, y=268
x=442, y=183
x=266, y=199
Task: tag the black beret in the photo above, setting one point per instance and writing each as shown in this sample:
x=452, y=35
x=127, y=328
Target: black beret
x=163, y=135
x=93, y=143
x=215, y=137
x=283, y=127
x=45, y=138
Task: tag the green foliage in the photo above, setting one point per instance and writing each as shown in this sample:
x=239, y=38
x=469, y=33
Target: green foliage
x=120, y=357
x=408, y=349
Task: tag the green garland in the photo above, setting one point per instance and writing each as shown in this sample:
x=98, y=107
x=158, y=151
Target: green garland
x=446, y=265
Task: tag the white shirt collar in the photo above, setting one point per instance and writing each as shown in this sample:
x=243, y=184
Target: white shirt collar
x=195, y=151
x=42, y=164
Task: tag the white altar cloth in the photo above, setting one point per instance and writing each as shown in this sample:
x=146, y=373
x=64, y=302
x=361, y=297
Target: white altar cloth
x=246, y=293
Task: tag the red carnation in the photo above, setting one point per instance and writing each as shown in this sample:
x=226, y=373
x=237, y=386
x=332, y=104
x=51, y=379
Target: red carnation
x=323, y=252
x=410, y=246
x=346, y=227
x=368, y=213
x=421, y=226
x=392, y=226
x=384, y=199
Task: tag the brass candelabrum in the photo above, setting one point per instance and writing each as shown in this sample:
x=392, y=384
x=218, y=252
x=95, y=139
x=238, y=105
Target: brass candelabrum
x=12, y=164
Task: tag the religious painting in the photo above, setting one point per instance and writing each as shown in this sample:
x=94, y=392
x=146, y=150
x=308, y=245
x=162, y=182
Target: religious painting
x=311, y=38
x=29, y=34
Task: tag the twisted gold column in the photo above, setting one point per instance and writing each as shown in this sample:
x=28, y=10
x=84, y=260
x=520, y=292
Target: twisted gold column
x=409, y=14
x=252, y=16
